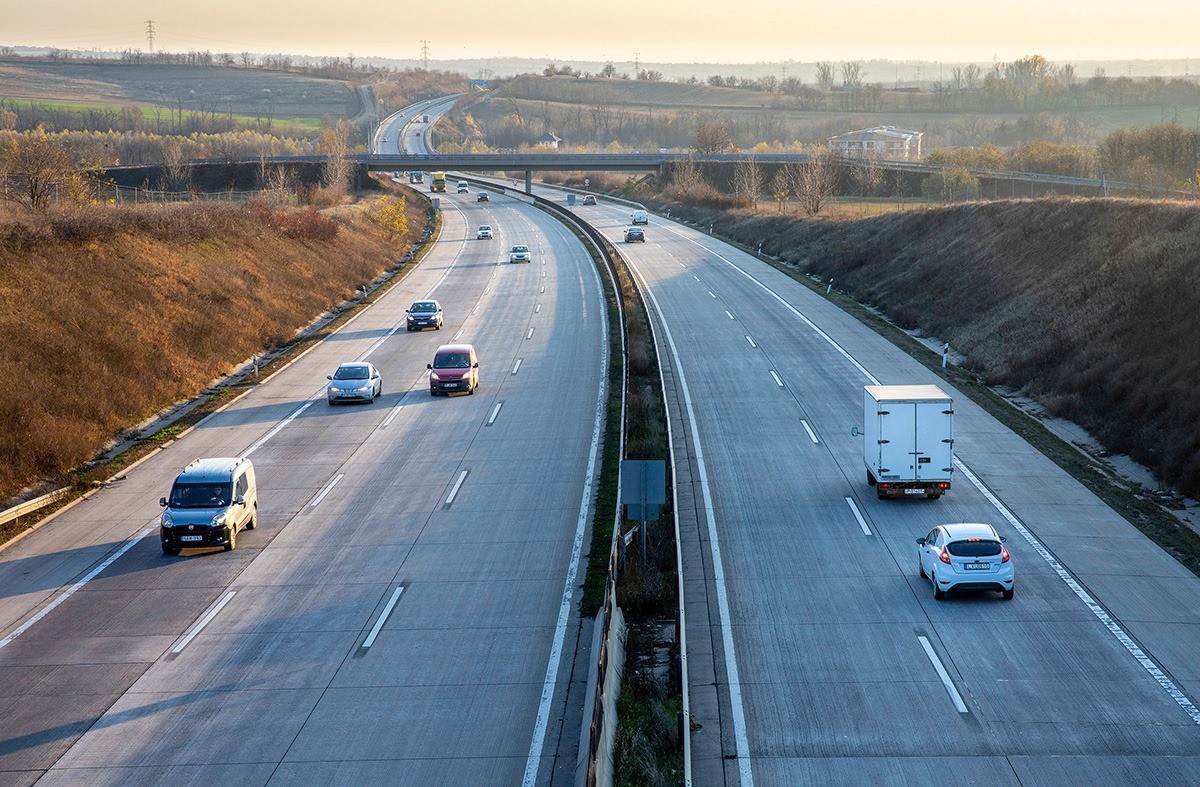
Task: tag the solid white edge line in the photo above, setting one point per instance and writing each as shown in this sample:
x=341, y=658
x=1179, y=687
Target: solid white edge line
x=383, y=616
x=66, y=594
x=530, y=334
x=495, y=412
x=326, y=490
x=457, y=485
x=777, y=380
x=812, y=435
x=752, y=344
x=858, y=516
x=392, y=415
x=204, y=621
x=517, y=365
x=534, y=760
x=1101, y=614
x=275, y=430
x=733, y=678
x=951, y=689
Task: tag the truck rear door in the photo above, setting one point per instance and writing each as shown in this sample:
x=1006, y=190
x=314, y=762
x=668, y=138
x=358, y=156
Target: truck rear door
x=897, y=440
x=932, y=451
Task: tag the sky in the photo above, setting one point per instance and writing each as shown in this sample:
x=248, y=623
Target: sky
x=662, y=31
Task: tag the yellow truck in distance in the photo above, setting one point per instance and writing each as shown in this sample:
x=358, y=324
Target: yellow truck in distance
x=439, y=182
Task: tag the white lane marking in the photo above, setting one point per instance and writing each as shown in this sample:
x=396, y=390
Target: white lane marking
x=812, y=435
x=543, y=274
x=694, y=276
x=1135, y=650
x=383, y=616
x=495, y=412
x=727, y=314
x=457, y=486
x=945, y=676
x=1101, y=614
x=517, y=365
x=530, y=334
x=275, y=430
x=316, y=501
x=777, y=380
x=66, y=594
x=752, y=344
x=457, y=335
x=392, y=415
x=453, y=262
x=379, y=343
x=486, y=290
x=537, y=308
x=710, y=292
x=204, y=621
x=733, y=678
x=857, y=514
x=474, y=310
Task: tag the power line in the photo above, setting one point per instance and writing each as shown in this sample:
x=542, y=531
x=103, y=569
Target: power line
x=150, y=34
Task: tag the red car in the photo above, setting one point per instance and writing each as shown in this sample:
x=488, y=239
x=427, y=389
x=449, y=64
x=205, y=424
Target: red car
x=455, y=367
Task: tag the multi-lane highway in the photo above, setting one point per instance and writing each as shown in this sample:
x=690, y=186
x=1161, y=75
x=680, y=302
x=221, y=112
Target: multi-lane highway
x=404, y=612
x=818, y=655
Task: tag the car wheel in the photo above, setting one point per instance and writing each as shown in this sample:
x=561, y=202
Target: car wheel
x=232, y=542
x=432, y=392
x=1008, y=594
x=253, y=523
x=920, y=567
x=938, y=593
x=172, y=551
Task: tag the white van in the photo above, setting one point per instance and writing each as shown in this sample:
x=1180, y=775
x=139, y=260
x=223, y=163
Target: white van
x=211, y=501
x=639, y=217
x=463, y=187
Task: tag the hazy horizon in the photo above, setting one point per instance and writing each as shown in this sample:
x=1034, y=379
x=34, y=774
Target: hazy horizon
x=670, y=32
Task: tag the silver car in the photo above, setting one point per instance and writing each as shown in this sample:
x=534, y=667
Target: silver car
x=520, y=253
x=354, y=382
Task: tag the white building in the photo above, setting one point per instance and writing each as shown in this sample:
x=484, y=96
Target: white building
x=881, y=142
x=547, y=140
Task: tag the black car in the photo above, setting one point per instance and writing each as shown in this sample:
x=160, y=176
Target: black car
x=635, y=235
x=590, y=199
x=483, y=197
x=424, y=314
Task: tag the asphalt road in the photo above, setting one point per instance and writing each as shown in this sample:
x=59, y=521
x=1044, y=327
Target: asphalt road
x=817, y=653
x=444, y=533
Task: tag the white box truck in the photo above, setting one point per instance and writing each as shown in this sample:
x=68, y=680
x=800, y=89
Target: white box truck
x=908, y=443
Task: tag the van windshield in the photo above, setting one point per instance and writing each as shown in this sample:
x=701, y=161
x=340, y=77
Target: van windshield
x=216, y=495
x=452, y=361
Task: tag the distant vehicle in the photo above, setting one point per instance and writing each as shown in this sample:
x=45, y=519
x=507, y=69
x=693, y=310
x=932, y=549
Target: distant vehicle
x=455, y=367
x=639, y=217
x=210, y=502
x=908, y=440
x=965, y=557
x=590, y=199
x=425, y=118
x=416, y=177
x=520, y=253
x=485, y=232
x=439, y=182
x=424, y=314
x=463, y=187
x=635, y=235
x=483, y=197
x=354, y=382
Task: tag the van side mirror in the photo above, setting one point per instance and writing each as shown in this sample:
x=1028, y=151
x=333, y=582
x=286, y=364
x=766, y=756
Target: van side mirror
x=475, y=365
x=921, y=542
x=854, y=431
x=241, y=500
x=162, y=501
x=428, y=366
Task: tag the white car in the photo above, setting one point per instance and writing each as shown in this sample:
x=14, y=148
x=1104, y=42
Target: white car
x=463, y=187
x=354, y=382
x=520, y=253
x=485, y=232
x=965, y=557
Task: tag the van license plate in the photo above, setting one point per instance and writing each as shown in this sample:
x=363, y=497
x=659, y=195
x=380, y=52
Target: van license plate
x=191, y=538
x=914, y=491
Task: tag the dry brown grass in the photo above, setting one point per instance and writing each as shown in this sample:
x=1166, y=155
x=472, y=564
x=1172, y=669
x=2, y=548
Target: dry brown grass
x=109, y=314
x=1090, y=306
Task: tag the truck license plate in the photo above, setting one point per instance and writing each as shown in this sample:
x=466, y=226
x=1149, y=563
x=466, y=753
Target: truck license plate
x=914, y=491
x=191, y=538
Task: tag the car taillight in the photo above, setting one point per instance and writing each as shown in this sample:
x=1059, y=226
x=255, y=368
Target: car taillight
x=944, y=556
x=1003, y=554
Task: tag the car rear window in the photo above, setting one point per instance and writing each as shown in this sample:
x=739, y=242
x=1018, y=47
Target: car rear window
x=350, y=373
x=201, y=495
x=452, y=361
x=973, y=548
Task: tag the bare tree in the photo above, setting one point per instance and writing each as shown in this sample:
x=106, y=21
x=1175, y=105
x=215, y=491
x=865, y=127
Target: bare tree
x=869, y=176
x=36, y=165
x=853, y=74
x=334, y=142
x=825, y=76
x=177, y=176
x=748, y=181
x=781, y=186
x=687, y=177
x=812, y=183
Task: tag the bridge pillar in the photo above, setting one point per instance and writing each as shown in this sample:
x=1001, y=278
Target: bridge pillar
x=528, y=181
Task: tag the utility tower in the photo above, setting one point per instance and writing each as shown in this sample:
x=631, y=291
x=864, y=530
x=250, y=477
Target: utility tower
x=425, y=54
x=637, y=64
x=150, y=34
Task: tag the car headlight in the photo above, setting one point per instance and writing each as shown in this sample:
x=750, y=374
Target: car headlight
x=165, y=520
x=218, y=520
x=434, y=376
x=366, y=388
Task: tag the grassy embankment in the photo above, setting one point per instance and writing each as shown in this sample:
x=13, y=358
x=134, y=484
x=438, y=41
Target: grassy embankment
x=1090, y=307
x=110, y=315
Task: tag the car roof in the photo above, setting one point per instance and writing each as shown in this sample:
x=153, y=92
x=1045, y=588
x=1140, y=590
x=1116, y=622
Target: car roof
x=219, y=468
x=960, y=530
x=455, y=348
x=352, y=364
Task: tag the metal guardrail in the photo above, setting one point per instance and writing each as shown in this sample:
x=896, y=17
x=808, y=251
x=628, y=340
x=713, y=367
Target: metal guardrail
x=36, y=504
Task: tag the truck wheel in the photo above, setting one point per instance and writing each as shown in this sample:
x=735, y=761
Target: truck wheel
x=882, y=495
x=870, y=479
x=933, y=495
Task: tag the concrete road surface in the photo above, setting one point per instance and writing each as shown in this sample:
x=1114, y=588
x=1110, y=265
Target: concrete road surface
x=818, y=655
x=403, y=614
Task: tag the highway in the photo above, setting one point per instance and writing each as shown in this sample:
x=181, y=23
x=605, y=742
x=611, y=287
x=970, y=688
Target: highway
x=817, y=653
x=405, y=612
